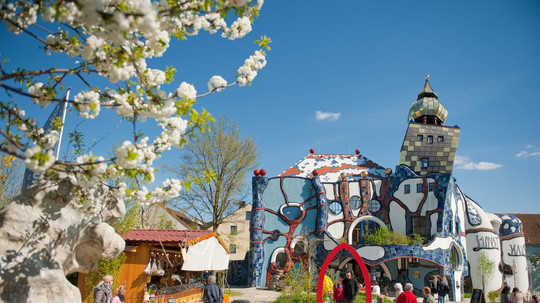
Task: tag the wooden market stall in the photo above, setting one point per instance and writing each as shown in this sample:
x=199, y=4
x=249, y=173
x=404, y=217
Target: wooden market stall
x=168, y=264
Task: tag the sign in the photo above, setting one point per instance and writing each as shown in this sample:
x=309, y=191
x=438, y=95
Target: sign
x=477, y=296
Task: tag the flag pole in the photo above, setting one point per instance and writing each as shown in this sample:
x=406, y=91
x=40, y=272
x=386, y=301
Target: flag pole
x=66, y=98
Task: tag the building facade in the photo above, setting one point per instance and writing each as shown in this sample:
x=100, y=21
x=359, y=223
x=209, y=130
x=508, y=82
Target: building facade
x=323, y=200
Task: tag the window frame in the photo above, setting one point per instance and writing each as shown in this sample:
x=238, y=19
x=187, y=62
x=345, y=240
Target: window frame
x=407, y=189
x=235, y=228
x=232, y=248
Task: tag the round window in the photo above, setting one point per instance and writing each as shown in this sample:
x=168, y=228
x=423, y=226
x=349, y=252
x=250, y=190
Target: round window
x=355, y=202
x=335, y=207
x=299, y=248
x=374, y=206
x=281, y=260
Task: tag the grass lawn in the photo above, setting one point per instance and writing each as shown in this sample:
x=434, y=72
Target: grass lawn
x=232, y=293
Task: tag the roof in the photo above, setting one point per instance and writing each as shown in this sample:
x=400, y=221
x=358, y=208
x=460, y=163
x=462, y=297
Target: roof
x=531, y=227
x=330, y=167
x=182, y=218
x=164, y=235
x=428, y=104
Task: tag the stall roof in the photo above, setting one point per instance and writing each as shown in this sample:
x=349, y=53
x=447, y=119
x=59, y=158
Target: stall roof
x=164, y=235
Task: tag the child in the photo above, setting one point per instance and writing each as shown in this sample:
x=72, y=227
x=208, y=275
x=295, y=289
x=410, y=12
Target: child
x=329, y=297
x=534, y=299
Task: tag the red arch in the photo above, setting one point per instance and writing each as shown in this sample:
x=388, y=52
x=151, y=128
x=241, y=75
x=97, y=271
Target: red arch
x=329, y=259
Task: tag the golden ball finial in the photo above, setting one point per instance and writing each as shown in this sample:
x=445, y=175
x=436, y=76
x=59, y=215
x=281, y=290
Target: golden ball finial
x=364, y=174
x=427, y=77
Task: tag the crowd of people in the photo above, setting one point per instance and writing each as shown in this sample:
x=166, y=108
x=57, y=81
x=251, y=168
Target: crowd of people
x=103, y=293
x=345, y=291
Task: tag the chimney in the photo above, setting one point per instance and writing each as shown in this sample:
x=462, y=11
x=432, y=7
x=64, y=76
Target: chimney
x=241, y=204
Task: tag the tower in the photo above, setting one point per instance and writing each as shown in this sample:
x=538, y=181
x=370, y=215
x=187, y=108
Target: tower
x=429, y=146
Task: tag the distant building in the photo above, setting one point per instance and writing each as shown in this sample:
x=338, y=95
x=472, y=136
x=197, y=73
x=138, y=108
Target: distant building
x=326, y=199
x=161, y=215
x=234, y=232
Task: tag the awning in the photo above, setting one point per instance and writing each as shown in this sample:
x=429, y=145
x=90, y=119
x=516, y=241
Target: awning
x=206, y=254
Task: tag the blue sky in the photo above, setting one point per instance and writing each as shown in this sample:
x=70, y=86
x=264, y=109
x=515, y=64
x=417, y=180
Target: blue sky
x=363, y=63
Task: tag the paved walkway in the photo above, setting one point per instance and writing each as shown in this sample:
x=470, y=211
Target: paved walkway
x=255, y=294
x=263, y=295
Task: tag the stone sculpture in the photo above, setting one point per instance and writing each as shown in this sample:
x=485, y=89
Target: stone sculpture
x=46, y=234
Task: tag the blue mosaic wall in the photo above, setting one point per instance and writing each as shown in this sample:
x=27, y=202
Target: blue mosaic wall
x=272, y=229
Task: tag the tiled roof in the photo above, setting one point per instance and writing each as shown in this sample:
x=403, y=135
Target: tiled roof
x=531, y=229
x=330, y=167
x=182, y=218
x=165, y=235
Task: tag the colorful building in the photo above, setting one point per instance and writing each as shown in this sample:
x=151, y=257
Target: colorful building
x=324, y=200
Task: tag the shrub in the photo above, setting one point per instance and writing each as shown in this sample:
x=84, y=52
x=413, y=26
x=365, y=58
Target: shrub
x=493, y=295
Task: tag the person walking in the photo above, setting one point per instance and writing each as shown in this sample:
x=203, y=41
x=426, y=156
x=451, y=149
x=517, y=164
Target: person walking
x=339, y=291
x=442, y=290
x=375, y=289
x=103, y=291
x=428, y=298
x=398, y=289
x=212, y=293
x=517, y=296
x=351, y=288
x=407, y=296
x=505, y=294
x=120, y=294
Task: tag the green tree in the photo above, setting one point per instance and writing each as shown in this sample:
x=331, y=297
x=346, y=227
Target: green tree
x=11, y=173
x=485, y=268
x=216, y=161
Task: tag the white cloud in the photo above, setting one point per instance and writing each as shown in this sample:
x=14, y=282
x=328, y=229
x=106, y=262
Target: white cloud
x=525, y=153
x=463, y=162
x=320, y=116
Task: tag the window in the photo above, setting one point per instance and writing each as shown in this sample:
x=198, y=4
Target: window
x=425, y=162
x=430, y=139
x=440, y=139
x=281, y=260
x=374, y=206
x=234, y=230
x=420, y=138
x=232, y=248
x=335, y=207
x=407, y=188
x=455, y=258
x=248, y=215
x=419, y=188
x=299, y=248
x=362, y=229
x=420, y=226
x=355, y=202
x=431, y=186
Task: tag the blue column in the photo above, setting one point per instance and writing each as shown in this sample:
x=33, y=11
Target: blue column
x=322, y=218
x=256, y=251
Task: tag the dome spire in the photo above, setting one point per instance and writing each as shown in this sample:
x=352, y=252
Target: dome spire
x=427, y=91
x=428, y=109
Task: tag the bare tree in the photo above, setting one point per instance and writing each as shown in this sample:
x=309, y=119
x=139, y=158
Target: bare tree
x=217, y=161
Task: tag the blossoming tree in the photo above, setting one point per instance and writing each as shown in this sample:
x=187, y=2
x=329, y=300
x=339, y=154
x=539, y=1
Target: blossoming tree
x=114, y=40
